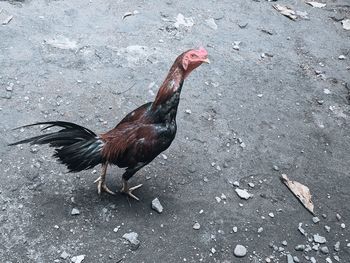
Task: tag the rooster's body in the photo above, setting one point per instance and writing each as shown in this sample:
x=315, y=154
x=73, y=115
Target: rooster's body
x=140, y=137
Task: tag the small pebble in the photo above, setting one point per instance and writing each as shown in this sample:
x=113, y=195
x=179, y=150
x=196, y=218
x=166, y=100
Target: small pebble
x=196, y=226
x=338, y=216
x=260, y=229
x=319, y=239
x=276, y=168
x=251, y=185
x=337, y=246
x=313, y=260
x=242, y=193
x=271, y=215
x=75, y=212
x=315, y=220
x=324, y=250
x=290, y=258
x=157, y=206
x=296, y=259
x=327, y=228
x=341, y=57
x=284, y=243
x=236, y=183
x=78, y=259
x=234, y=229
x=64, y=255
x=132, y=238
x=328, y=260
x=342, y=225
x=299, y=247
x=240, y=251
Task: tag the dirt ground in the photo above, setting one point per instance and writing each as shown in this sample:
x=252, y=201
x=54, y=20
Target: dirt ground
x=277, y=105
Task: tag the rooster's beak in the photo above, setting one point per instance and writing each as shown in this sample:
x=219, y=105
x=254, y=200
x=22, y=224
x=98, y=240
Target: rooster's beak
x=206, y=60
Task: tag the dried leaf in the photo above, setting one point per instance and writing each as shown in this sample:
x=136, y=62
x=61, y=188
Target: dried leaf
x=316, y=4
x=301, y=191
x=346, y=24
x=286, y=11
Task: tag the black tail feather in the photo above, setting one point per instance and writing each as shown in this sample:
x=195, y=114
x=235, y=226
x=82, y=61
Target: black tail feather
x=75, y=146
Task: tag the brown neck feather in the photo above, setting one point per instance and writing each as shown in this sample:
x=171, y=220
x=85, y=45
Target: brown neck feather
x=171, y=85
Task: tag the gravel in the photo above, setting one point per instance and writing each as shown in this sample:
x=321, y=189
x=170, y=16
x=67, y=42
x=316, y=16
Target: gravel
x=242, y=193
x=319, y=239
x=78, y=259
x=75, y=212
x=157, y=206
x=132, y=238
x=240, y=251
x=196, y=226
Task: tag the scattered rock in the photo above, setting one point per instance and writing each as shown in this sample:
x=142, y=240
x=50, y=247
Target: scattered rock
x=313, y=260
x=342, y=225
x=271, y=215
x=315, y=219
x=337, y=246
x=338, y=216
x=184, y=21
x=242, y=193
x=346, y=24
x=316, y=4
x=242, y=25
x=234, y=229
x=157, y=206
x=132, y=238
x=188, y=111
x=327, y=228
x=235, y=45
x=211, y=23
x=64, y=255
x=299, y=247
x=284, y=243
x=290, y=258
x=75, y=212
x=341, y=57
x=235, y=183
x=319, y=239
x=276, y=168
x=196, y=226
x=260, y=229
x=78, y=259
x=251, y=185
x=116, y=229
x=5, y=17
x=324, y=250
x=62, y=42
x=240, y=251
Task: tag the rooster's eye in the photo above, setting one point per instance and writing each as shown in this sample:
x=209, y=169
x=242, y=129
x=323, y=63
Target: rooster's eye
x=193, y=56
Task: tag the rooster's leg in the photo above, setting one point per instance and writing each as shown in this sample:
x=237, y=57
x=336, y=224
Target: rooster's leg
x=101, y=181
x=126, y=176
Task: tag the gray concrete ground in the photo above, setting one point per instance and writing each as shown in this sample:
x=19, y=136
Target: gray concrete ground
x=80, y=61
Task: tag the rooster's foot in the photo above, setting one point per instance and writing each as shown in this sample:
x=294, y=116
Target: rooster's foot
x=128, y=191
x=101, y=185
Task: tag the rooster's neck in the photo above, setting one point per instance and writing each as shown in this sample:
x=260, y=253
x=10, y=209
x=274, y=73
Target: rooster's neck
x=168, y=96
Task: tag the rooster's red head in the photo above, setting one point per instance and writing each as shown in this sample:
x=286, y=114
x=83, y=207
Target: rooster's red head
x=193, y=58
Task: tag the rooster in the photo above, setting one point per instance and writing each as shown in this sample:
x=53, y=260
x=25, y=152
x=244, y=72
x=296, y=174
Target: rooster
x=136, y=140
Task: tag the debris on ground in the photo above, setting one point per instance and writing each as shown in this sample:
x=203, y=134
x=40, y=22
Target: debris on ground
x=319, y=239
x=184, y=21
x=301, y=191
x=290, y=13
x=286, y=11
x=61, y=42
x=78, y=259
x=316, y=4
x=132, y=238
x=211, y=23
x=157, y=206
x=242, y=193
x=135, y=12
x=240, y=251
x=236, y=44
x=346, y=24
x=64, y=255
x=5, y=17
x=196, y=226
x=75, y=212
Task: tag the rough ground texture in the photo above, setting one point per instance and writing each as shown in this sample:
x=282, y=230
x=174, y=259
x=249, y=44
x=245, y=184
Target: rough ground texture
x=79, y=61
